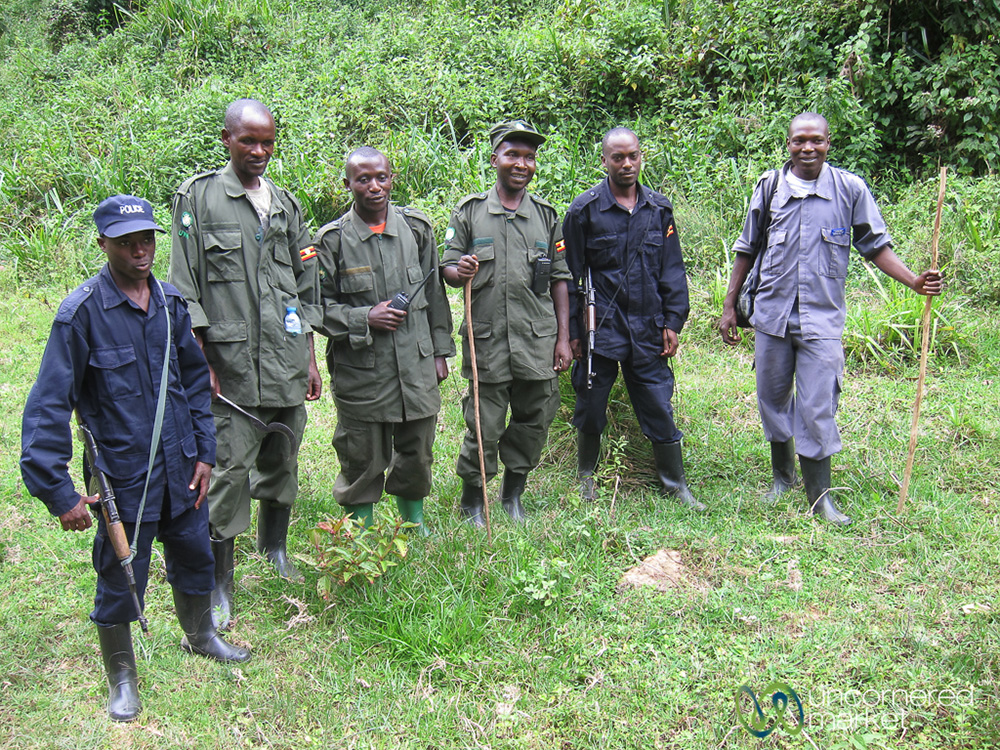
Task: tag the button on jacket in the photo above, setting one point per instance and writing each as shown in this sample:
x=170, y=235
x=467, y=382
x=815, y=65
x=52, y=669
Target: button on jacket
x=515, y=328
x=105, y=357
x=383, y=376
x=808, y=249
x=239, y=278
x=637, y=269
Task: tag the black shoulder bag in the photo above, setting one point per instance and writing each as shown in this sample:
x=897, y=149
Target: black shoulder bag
x=748, y=292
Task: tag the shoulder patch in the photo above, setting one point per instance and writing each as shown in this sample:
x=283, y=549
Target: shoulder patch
x=69, y=306
x=560, y=246
x=307, y=253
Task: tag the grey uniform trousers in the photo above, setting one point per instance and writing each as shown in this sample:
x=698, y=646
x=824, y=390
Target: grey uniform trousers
x=798, y=390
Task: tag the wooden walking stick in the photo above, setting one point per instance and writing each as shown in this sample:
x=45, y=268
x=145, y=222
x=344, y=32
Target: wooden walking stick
x=925, y=338
x=475, y=404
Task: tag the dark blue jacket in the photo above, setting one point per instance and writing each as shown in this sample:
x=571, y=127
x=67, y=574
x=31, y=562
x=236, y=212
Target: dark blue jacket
x=105, y=357
x=637, y=269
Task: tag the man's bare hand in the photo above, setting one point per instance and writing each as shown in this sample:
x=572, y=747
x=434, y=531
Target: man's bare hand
x=728, y=328
x=441, y=368
x=930, y=283
x=562, y=358
x=78, y=519
x=669, y=343
x=385, y=318
x=202, y=474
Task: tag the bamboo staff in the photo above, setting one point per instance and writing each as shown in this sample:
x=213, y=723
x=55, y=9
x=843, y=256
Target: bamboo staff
x=924, y=346
x=475, y=404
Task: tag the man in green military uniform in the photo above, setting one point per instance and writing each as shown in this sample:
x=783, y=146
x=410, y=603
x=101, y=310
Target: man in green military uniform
x=385, y=358
x=243, y=259
x=509, y=244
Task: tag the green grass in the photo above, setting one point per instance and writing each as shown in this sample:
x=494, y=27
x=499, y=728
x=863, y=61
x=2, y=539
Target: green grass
x=456, y=648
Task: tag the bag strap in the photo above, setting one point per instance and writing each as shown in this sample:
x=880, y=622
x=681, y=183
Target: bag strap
x=764, y=220
x=154, y=443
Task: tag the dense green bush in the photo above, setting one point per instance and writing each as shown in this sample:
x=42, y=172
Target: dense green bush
x=709, y=87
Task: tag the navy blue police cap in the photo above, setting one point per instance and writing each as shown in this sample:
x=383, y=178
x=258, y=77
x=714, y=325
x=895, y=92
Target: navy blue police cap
x=124, y=214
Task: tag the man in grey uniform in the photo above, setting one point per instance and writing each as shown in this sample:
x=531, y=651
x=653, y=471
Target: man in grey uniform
x=242, y=257
x=817, y=212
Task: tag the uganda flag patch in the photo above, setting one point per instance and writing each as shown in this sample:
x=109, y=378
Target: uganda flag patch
x=670, y=230
x=307, y=253
x=561, y=246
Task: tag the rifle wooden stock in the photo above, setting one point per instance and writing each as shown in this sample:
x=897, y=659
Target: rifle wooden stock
x=113, y=522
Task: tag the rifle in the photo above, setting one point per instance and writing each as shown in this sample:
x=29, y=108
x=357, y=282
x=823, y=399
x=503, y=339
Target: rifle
x=109, y=509
x=591, y=317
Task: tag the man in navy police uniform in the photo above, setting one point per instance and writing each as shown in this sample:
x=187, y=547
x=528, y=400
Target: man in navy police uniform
x=105, y=358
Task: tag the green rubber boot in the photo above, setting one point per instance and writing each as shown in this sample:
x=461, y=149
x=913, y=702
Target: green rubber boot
x=413, y=511
x=365, y=513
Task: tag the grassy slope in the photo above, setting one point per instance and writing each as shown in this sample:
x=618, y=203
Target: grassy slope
x=452, y=651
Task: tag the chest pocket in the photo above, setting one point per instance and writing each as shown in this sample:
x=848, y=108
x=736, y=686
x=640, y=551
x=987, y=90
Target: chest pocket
x=358, y=280
x=414, y=277
x=601, y=251
x=116, y=372
x=223, y=258
x=774, y=254
x=284, y=271
x=485, y=251
x=835, y=252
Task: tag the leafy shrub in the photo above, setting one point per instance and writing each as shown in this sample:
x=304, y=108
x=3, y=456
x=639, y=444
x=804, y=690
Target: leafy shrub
x=344, y=551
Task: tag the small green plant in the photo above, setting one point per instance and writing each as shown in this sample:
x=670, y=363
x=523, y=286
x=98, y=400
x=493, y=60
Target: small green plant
x=545, y=581
x=344, y=550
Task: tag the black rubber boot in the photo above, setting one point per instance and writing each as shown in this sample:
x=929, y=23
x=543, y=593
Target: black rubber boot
x=588, y=448
x=816, y=476
x=222, y=594
x=782, y=470
x=272, y=534
x=670, y=470
x=471, y=505
x=510, y=495
x=194, y=612
x=119, y=664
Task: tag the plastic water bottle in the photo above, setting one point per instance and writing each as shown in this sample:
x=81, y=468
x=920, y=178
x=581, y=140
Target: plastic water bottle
x=293, y=324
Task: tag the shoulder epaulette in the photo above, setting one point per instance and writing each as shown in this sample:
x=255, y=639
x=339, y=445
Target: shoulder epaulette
x=186, y=185
x=333, y=226
x=659, y=199
x=472, y=197
x=69, y=306
x=413, y=214
x=587, y=196
x=541, y=201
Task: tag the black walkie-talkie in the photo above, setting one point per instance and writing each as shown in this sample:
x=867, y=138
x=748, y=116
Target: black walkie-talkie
x=402, y=300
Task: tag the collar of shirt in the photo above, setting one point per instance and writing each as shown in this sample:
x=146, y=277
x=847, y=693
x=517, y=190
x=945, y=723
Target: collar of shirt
x=824, y=185
x=234, y=188
x=364, y=231
x=112, y=296
x=606, y=199
x=494, y=206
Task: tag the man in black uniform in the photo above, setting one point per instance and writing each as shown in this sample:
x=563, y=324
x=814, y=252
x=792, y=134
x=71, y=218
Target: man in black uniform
x=622, y=234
